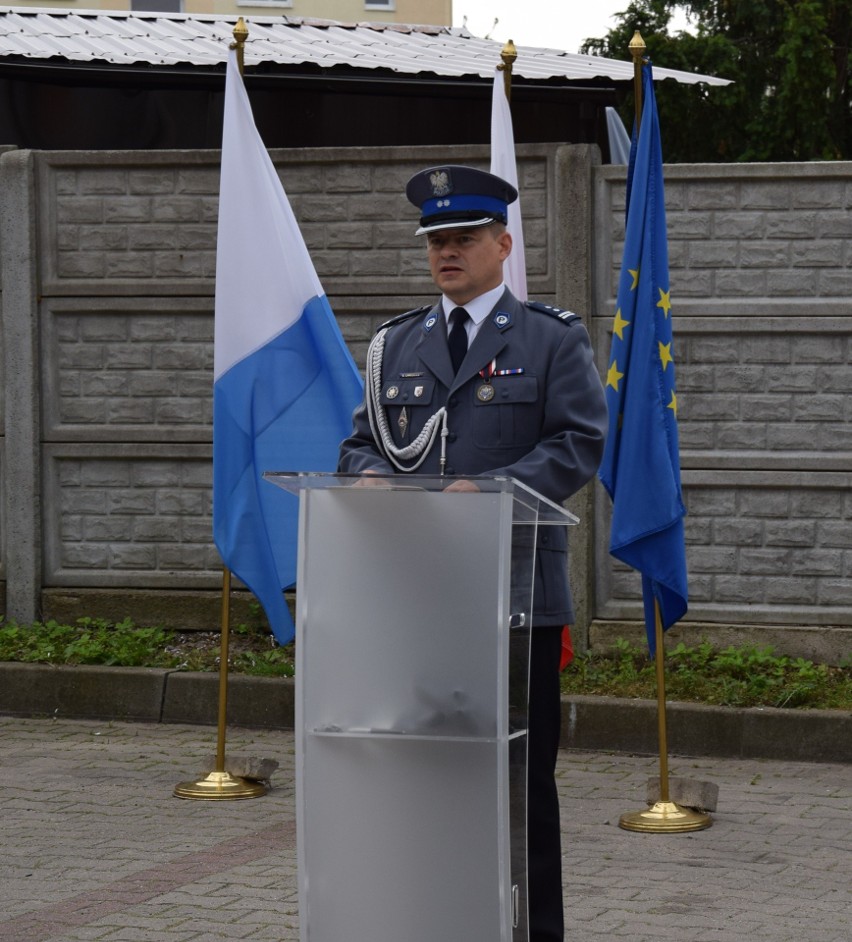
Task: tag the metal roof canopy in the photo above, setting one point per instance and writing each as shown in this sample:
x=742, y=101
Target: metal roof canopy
x=173, y=39
x=105, y=79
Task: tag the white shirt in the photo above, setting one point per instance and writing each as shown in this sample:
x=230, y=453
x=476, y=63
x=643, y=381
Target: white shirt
x=478, y=309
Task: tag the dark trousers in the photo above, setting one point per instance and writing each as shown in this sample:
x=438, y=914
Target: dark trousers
x=544, y=849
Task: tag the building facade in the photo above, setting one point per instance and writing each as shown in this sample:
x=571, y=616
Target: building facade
x=434, y=12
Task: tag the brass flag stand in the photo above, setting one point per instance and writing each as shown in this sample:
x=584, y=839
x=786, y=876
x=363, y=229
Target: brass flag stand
x=220, y=784
x=664, y=817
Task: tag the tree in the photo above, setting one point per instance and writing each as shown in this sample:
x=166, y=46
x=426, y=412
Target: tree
x=789, y=61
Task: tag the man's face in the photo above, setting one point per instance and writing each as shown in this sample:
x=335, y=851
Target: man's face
x=466, y=263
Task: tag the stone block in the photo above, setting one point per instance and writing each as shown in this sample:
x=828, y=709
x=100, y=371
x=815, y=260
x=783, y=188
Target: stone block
x=685, y=792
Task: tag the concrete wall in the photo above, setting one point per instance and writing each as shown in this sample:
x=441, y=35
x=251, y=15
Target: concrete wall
x=108, y=263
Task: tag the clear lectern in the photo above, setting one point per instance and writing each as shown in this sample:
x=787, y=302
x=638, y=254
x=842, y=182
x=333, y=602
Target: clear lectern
x=413, y=615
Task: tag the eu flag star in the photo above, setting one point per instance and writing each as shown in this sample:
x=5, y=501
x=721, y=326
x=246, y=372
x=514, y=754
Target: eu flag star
x=665, y=301
x=613, y=376
x=619, y=324
x=665, y=354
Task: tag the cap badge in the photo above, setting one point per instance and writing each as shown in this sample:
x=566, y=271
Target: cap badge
x=441, y=184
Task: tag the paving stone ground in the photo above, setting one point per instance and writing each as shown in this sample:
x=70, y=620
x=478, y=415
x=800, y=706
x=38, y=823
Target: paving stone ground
x=94, y=847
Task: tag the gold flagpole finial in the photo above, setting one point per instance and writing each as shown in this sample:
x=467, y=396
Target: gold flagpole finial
x=508, y=54
x=240, y=36
x=637, y=49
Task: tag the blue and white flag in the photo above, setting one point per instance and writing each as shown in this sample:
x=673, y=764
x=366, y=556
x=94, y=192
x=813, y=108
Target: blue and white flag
x=285, y=385
x=641, y=464
x=504, y=165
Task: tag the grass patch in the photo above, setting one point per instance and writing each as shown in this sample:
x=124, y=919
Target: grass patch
x=737, y=676
x=93, y=641
x=745, y=676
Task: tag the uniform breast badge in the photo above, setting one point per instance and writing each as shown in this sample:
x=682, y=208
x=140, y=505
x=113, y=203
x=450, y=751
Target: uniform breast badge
x=485, y=393
x=402, y=421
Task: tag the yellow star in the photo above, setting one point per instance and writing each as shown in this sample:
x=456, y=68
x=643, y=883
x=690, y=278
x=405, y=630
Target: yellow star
x=665, y=301
x=665, y=354
x=673, y=404
x=619, y=324
x=613, y=376
x=635, y=273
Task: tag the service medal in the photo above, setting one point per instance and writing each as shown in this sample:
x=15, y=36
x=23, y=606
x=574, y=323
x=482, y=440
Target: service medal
x=485, y=393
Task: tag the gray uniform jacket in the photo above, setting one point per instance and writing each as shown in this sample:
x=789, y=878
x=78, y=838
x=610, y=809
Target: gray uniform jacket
x=544, y=423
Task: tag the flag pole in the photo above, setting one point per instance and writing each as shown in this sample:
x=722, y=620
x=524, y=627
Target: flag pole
x=665, y=816
x=508, y=54
x=637, y=49
x=219, y=783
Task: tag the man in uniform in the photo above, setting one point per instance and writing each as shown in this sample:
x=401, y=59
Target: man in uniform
x=484, y=384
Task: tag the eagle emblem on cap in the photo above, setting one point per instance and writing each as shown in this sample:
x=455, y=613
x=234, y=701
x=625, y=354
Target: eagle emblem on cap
x=441, y=184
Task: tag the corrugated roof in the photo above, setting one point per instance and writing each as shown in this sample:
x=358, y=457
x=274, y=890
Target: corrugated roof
x=170, y=39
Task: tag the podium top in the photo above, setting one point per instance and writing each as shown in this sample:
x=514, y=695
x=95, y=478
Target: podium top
x=529, y=505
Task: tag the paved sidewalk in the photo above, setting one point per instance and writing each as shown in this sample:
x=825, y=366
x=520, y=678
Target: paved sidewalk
x=94, y=847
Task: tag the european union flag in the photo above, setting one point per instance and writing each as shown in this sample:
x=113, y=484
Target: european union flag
x=641, y=464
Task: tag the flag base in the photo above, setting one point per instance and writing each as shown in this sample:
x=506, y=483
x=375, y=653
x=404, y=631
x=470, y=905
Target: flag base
x=220, y=785
x=665, y=817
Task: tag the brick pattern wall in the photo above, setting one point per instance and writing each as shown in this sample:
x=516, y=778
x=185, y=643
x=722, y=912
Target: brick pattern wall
x=760, y=276
x=127, y=245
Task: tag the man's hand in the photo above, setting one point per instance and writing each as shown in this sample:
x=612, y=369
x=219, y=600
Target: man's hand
x=372, y=479
x=461, y=486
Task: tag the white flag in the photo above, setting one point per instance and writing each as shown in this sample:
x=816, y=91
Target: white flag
x=503, y=165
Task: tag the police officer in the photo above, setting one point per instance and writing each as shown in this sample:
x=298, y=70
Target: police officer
x=484, y=384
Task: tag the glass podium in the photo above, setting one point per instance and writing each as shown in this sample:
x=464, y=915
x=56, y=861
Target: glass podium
x=412, y=660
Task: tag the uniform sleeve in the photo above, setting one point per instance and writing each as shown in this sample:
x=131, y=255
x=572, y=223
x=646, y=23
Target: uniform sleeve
x=359, y=452
x=571, y=441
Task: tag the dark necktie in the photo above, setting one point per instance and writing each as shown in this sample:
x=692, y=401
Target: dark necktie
x=457, y=340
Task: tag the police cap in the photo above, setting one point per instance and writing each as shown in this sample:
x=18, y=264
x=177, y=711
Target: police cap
x=453, y=197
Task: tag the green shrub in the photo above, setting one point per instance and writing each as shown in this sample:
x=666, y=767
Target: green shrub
x=739, y=677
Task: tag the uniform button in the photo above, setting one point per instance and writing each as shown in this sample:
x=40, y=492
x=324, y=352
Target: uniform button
x=449, y=470
x=452, y=403
x=452, y=437
x=505, y=393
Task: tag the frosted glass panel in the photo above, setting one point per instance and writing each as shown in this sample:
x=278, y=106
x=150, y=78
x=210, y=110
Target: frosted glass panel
x=407, y=626
x=382, y=816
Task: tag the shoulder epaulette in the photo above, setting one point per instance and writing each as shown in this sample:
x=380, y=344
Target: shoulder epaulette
x=404, y=317
x=559, y=313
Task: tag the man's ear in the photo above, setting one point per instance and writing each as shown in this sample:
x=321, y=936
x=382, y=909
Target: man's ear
x=505, y=240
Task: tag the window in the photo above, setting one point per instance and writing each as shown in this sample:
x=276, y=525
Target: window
x=156, y=6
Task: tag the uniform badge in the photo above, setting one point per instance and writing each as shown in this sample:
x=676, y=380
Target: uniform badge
x=393, y=392
x=402, y=422
x=441, y=184
x=485, y=393
x=418, y=392
x=430, y=323
x=502, y=319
